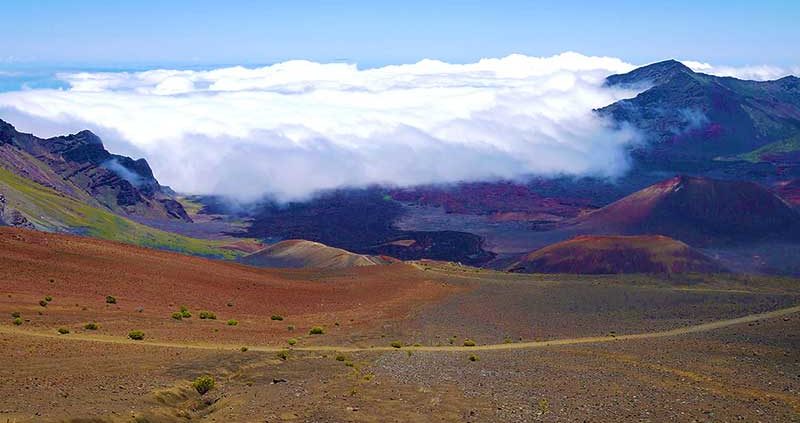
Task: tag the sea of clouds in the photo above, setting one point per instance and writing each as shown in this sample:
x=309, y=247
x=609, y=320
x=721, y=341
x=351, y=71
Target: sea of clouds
x=290, y=129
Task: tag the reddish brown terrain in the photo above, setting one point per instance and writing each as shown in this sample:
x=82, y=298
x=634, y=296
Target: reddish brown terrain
x=616, y=254
x=78, y=273
x=698, y=211
x=547, y=347
x=298, y=253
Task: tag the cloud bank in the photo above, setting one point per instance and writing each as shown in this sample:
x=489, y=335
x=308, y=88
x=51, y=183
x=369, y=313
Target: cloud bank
x=294, y=128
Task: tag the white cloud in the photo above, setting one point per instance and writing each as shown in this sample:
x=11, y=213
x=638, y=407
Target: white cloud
x=755, y=73
x=296, y=127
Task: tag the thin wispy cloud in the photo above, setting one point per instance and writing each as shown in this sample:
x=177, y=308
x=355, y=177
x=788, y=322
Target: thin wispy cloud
x=755, y=72
x=293, y=128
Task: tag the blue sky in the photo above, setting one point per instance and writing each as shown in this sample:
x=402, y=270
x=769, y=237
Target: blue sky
x=91, y=33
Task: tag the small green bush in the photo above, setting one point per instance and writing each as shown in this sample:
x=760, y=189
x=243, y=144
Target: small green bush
x=340, y=357
x=203, y=384
x=185, y=314
x=48, y=298
x=283, y=355
x=183, y=308
x=291, y=341
x=63, y=331
x=91, y=326
x=396, y=344
x=136, y=335
x=177, y=315
x=473, y=357
x=316, y=330
x=469, y=343
x=17, y=321
x=276, y=317
x=16, y=314
x=110, y=299
x=43, y=303
x=233, y=322
x=349, y=364
x=208, y=315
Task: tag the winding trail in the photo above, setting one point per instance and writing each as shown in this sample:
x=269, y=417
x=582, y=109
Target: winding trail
x=705, y=327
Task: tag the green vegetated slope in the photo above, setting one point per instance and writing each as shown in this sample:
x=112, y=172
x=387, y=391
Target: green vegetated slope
x=50, y=211
x=788, y=145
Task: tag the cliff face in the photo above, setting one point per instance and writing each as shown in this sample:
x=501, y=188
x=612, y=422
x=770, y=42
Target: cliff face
x=79, y=166
x=10, y=217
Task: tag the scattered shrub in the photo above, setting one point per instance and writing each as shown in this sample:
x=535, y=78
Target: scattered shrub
x=43, y=303
x=276, y=317
x=230, y=304
x=233, y=322
x=290, y=328
x=316, y=330
x=177, y=315
x=469, y=343
x=63, y=331
x=243, y=349
x=136, y=335
x=48, y=298
x=283, y=355
x=203, y=384
x=208, y=315
x=291, y=341
x=16, y=314
x=185, y=312
x=349, y=364
x=340, y=357
x=91, y=326
x=17, y=321
x=544, y=406
x=110, y=299
x=508, y=341
x=396, y=344
x=473, y=357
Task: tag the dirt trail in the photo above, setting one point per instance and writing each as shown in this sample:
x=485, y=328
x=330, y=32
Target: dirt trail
x=491, y=347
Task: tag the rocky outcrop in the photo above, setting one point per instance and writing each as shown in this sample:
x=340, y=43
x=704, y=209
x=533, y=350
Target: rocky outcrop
x=2, y=209
x=10, y=217
x=84, y=166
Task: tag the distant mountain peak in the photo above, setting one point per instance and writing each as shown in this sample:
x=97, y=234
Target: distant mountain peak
x=653, y=74
x=84, y=137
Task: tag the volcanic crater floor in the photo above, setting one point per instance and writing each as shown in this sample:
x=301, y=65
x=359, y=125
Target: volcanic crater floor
x=548, y=347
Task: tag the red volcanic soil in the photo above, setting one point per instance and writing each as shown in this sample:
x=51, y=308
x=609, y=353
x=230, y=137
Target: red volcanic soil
x=616, y=254
x=699, y=211
x=503, y=201
x=150, y=285
x=298, y=253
